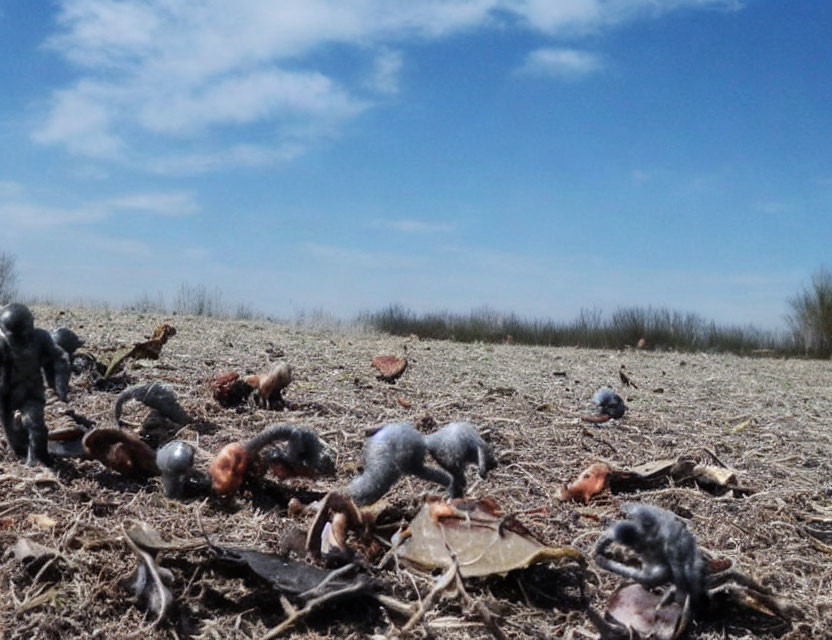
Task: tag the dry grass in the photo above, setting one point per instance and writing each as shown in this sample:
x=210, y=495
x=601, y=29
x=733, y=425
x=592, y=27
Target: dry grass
x=530, y=415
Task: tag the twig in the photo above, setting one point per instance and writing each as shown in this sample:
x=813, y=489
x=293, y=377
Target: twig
x=311, y=605
x=317, y=590
x=715, y=459
x=396, y=606
x=487, y=619
x=443, y=583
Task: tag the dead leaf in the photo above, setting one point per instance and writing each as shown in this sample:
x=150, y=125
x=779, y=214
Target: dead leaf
x=41, y=520
x=742, y=426
x=32, y=555
x=404, y=403
x=286, y=575
x=149, y=581
x=146, y=537
x=633, y=612
x=389, y=367
x=149, y=349
x=27, y=550
x=714, y=475
x=482, y=542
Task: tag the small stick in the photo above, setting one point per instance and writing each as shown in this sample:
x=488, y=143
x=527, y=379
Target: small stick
x=298, y=614
x=487, y=619
x=443, y=583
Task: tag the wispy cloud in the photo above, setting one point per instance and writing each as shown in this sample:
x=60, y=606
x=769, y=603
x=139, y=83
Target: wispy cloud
x=773, y=207
x=384, y=77
x=20, y=211
x=243, y=155
x=117, y=245
x=9, y=189
x=170, y=71
x=163, y=204
x=560, y=63
x=354, y=258
x=406, y=225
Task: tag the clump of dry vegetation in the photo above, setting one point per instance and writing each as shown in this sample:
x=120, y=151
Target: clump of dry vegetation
x=769, y=420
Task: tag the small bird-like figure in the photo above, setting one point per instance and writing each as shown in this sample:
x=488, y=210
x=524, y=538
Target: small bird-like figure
x=609, y=402
x=625, y=379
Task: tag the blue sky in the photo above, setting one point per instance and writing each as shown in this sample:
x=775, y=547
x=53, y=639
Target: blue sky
x=535, y=156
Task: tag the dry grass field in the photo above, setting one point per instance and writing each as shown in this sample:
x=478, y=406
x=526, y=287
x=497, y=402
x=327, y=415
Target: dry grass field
x=529, y=411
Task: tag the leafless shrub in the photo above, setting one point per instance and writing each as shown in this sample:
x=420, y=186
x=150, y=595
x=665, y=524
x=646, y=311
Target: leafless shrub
x=8, y=278
x=810, y=317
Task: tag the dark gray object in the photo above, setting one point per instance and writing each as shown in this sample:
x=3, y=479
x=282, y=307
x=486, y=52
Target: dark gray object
x=25, y=351
x=157, y=396
x=666, y=548
x=610, y=403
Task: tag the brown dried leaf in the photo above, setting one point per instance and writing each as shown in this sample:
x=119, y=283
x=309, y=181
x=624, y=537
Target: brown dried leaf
x=636, y=608
x=41, y=520
x=389, y=367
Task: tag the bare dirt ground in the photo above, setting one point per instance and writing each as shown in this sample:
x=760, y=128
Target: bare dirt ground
x=529, y=413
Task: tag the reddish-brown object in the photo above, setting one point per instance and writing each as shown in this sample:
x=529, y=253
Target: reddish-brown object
x=283, y=470
x=229, y=468
x=121, y=451
x=593, y=480
x=270, y=385
x=389, y=367
x=596, y=419
x=228, y=389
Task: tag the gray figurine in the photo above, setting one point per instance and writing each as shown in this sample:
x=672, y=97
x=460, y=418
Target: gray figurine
x=609, y=402
x=394, y=450
x=454, y=447
x=399, y=449
x=175, y=461
x=157, y=396
x=67, y=340
x=666, y=548
x=24, y=352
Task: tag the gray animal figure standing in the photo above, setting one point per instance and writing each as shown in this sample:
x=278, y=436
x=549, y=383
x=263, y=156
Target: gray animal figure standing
x=398, y=449
x=667, y=550
x=609, y=402
x=456, y=445
x=24, y=352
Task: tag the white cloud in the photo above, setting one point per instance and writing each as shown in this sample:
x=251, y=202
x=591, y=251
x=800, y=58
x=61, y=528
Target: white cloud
x=9, y=189
x=243, y=155
x=117, y=245
x=406, y=225
x=561, y=63
x=163, y=204
x=773, y=207
x=81, y=118
x=167, y=70
x=25, y=214
x=385, y=73
x=19, y=212
x=349, y=258
x=245, y=98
